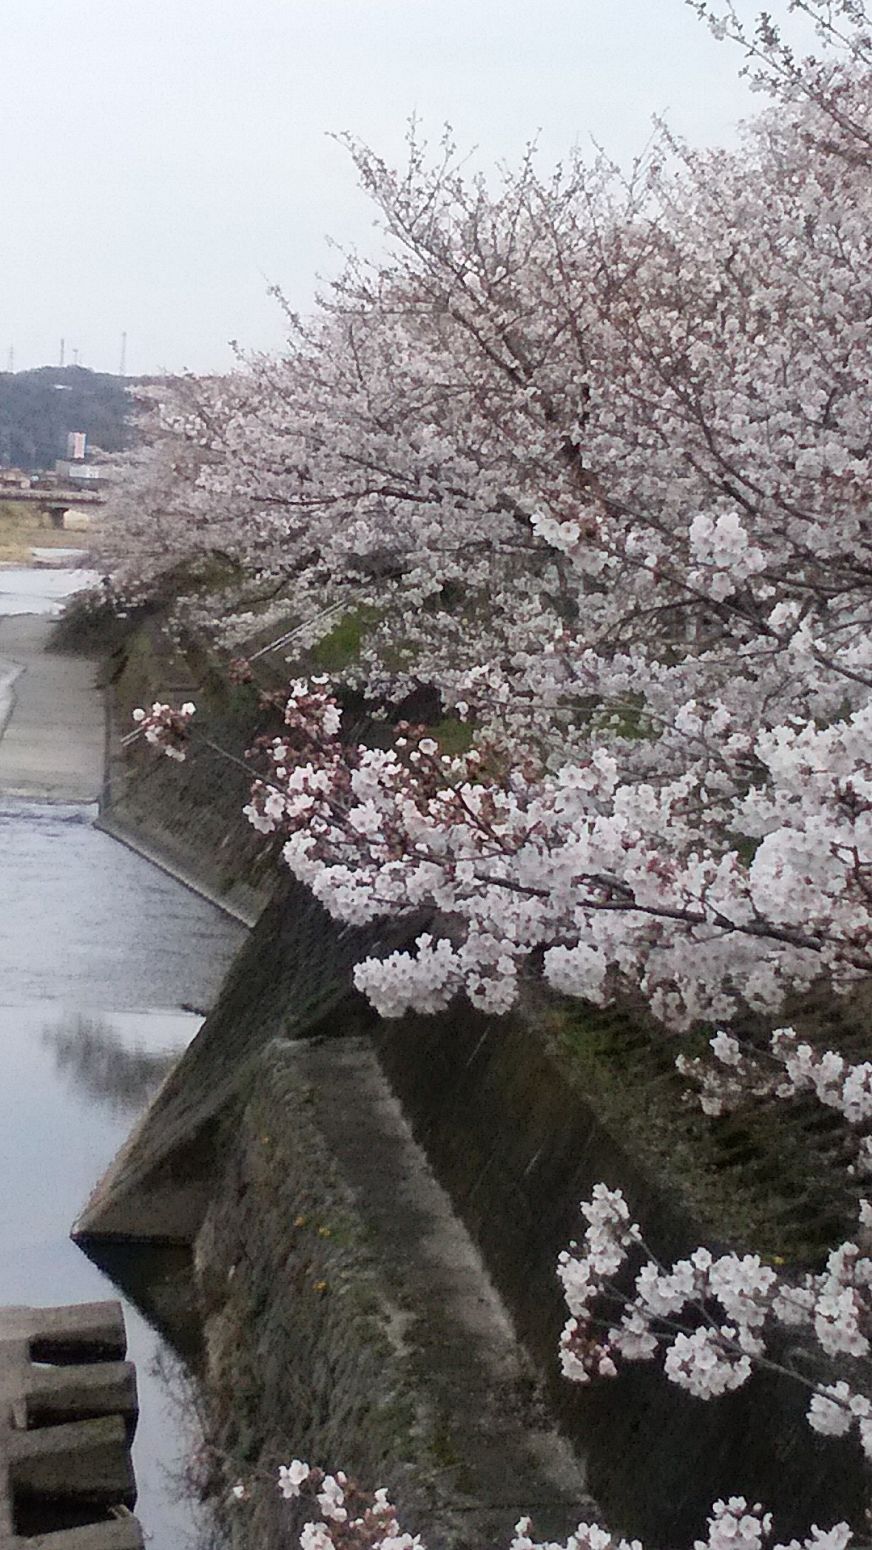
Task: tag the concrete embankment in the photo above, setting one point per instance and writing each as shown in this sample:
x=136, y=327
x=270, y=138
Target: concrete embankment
x=347, y=1314
x=192, y=827
x=52, y=728
x=236, y=1157
x=273, y=1150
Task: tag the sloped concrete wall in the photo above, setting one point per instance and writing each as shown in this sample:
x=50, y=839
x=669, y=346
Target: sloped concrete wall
x=188, y=818
x=348, y=1318
x=291, y=979
x=513, y=1139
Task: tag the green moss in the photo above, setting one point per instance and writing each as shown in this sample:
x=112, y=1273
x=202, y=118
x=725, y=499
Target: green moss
x=761, y=1178
x=453, y=735
x=341, y=646
x=443, y=1447
x=624, y=718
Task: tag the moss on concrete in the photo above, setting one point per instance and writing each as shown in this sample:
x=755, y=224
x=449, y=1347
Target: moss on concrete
x=347, y=1322
x=771, y=1177
x=340, y=647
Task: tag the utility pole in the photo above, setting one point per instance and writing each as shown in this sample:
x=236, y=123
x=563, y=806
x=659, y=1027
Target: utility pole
x=122, y=370
x=63, y=348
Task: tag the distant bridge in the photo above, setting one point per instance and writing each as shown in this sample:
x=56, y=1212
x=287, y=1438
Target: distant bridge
x=55, y=500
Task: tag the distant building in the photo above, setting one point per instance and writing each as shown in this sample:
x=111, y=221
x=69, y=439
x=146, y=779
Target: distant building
x=78, y=473
x=14, y=479
x=81, y=465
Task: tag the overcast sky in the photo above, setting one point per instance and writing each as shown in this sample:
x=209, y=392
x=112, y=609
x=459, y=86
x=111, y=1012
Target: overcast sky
x=164, y=160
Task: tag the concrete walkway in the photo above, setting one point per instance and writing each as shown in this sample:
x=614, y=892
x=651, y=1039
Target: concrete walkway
x=51, y=717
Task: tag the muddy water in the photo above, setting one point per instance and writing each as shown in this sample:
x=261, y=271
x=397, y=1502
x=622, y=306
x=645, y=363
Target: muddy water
x=102, y=959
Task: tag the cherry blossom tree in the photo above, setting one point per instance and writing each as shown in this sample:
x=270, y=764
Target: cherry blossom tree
x=594, y=453
x=591, y=453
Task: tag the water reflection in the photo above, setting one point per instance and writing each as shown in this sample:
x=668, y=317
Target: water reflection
x=202, y=1479
x=86, y=923
x=93, y=1054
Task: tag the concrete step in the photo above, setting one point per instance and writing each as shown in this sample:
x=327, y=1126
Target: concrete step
x=122, y=1534
x=87, y=1332
x=68, y=1410
x=81, y=1392
x=86, y=1461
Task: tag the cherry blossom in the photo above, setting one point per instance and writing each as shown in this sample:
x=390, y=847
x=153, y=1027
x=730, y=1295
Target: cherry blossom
x=372, y=1524
x=713, y=1317
x=592, y=459
x=588, y=455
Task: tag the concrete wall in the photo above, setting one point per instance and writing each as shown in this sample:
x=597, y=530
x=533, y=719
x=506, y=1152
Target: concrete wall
x=348, y=1318
x=508, y=1128
x=192, y=824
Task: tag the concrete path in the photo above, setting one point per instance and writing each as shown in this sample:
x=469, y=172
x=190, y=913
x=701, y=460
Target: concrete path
x=51, y=717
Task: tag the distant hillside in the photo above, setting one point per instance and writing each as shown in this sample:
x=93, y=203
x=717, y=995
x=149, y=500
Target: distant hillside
x=38, y=408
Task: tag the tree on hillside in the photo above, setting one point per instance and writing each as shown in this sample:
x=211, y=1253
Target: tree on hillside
x=38, y=408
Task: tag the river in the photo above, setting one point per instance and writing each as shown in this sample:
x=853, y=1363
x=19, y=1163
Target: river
x=102, y=958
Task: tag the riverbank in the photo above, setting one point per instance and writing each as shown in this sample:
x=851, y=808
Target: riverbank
x=52, y=723
x=24, y=526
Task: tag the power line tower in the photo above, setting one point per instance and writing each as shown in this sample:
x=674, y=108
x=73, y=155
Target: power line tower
x=11, y=360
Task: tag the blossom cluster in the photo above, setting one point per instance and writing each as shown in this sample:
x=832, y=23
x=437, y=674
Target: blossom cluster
x=165, y=727
x=711, y=1317
x=789, y=1067
x=602, y=878
x=350, y=1518
x=353, y=1519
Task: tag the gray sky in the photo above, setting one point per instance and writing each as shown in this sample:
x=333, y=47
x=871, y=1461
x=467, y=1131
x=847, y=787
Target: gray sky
x=164, y=159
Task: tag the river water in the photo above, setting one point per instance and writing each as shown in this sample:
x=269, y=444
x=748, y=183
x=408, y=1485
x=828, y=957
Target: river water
x=42, y=590
x=102, y=958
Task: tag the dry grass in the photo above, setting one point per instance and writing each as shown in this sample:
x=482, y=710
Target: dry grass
x=25, y=527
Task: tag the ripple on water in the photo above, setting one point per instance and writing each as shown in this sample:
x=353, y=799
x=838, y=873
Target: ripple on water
x=86, y=920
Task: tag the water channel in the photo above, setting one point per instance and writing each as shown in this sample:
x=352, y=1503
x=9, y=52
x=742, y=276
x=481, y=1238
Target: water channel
x=102, y=958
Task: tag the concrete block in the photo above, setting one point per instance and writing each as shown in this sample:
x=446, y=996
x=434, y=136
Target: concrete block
x=87, y=1332
x=120, y=1534
x=68, y=1409
x=86, y=1461
x=81, y=1392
